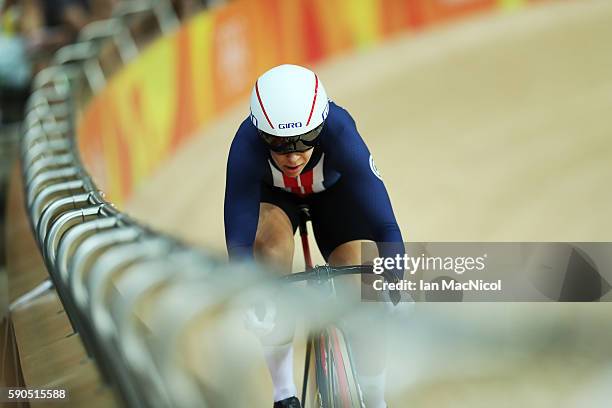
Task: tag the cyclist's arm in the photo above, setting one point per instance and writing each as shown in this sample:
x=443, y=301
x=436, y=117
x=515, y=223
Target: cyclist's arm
x=242, y=194
x=352, y=158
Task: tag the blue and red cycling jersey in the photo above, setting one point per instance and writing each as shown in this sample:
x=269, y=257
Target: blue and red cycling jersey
x=340, y=155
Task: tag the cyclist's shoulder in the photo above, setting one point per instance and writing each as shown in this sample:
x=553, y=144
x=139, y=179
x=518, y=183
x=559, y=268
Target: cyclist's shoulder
x=246, y=136
x=341, y=127
x=339, y=117
x=246, y=142
x=246, y=130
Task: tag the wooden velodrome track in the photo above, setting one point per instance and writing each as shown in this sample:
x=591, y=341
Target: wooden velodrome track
x=495, y=129
x=492, y=129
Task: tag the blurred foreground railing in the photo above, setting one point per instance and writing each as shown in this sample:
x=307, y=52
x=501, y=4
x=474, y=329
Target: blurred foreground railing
x=103, y=264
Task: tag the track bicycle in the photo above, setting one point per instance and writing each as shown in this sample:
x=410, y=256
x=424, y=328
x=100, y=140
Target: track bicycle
x=334, y=377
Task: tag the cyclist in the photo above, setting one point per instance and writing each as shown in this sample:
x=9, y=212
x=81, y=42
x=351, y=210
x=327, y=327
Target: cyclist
x=298, y=147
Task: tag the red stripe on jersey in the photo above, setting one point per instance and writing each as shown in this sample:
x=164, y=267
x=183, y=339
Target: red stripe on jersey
x=306, y=179
x=291, y=183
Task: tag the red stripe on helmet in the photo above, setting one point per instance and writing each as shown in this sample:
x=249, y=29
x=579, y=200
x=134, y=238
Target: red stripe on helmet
x=261, y=104
x=314, y=99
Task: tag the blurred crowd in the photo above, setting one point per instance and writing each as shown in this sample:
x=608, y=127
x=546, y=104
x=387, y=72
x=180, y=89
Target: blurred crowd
x=32, y=30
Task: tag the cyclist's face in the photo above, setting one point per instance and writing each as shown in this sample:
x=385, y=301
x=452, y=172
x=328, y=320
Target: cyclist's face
x=293, y=163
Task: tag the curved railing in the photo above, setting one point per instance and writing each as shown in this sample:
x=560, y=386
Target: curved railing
x=88, y=245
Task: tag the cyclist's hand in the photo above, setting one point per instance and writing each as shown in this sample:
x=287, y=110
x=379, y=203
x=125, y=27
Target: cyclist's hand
x=394, y=295
x=261, y=319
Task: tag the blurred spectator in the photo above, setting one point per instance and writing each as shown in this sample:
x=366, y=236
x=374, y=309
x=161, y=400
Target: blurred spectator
x=55, y=23
x=30, y=32
x=15, y=65
x=72, y=15
x=186, y=8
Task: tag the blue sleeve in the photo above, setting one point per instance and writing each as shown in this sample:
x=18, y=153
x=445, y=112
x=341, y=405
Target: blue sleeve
x=242, y=193
x=351, y=157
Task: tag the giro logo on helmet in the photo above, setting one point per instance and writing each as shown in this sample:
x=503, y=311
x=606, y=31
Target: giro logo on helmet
x=290, y=125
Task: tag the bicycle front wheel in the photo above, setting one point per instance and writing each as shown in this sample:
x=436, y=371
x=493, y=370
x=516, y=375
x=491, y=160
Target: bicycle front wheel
x=337, y=385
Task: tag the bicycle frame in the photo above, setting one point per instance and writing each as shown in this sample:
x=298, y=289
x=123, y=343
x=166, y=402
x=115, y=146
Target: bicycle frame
x=335, y=379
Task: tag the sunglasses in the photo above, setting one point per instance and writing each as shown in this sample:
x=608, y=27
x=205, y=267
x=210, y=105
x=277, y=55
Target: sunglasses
x=299, y=143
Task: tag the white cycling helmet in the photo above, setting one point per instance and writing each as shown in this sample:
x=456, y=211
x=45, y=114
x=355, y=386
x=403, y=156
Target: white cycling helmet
x=288, y=107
